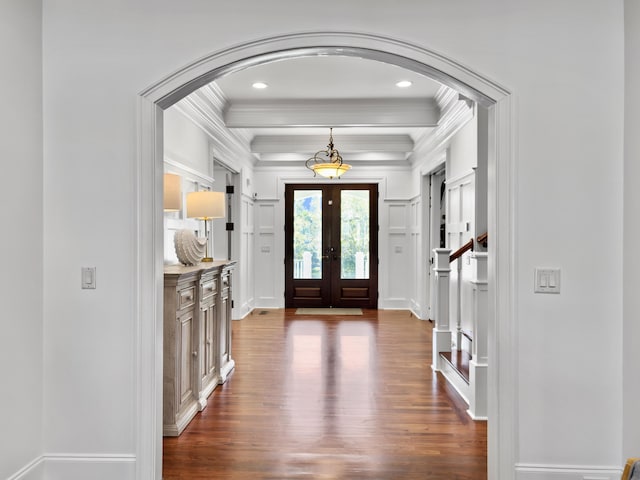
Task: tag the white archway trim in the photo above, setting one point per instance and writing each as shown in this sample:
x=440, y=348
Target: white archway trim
x=501, y=222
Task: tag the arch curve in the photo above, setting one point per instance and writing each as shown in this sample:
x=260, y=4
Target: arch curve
x=181, y=83
x=149, y=236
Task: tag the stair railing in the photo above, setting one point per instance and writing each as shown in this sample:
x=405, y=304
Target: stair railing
x=442, y=334
x=482, y=239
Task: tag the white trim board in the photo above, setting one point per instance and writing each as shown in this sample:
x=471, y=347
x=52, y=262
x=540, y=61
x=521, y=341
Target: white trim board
x=34, y=470
x=58, y=466
x=566, y=472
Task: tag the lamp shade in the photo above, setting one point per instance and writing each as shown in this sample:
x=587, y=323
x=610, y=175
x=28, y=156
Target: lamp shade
x=172, y=193
x=205, y=205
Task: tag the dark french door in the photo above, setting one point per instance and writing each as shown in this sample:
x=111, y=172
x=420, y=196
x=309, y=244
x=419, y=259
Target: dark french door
x=331, y=245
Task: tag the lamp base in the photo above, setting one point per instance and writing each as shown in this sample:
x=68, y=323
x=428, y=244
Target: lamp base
x=207, y=259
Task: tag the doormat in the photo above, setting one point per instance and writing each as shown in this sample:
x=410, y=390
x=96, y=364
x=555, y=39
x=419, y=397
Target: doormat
x=329, y=311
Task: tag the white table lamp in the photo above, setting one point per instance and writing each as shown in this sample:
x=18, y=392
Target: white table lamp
x=205, y=206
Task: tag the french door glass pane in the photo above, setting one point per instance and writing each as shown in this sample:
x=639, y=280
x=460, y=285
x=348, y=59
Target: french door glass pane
x=307, y=234
x=354, y=233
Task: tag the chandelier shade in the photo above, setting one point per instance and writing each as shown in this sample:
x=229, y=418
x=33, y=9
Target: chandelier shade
x=327, y=163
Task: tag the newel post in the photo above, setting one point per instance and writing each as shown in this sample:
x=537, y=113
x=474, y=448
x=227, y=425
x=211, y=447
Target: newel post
x=441, y=331
x=479, y=363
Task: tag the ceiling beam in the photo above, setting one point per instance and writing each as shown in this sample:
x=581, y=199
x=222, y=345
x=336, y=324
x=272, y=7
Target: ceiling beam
x=401, y=112
x=344, y=143
x=375, y=157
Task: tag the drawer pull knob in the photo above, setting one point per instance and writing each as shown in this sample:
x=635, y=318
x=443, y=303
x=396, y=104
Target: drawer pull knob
x=195, y=354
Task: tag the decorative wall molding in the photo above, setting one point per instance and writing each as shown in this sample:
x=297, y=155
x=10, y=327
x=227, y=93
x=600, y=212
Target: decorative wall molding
x=34, y=470
x=186, y=171
x=455, y=113
x=463, y=178
x=202, y=108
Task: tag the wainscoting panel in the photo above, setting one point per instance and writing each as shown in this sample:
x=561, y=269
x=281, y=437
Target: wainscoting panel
x=247, y=256
x=397, y=256
x=269, y=289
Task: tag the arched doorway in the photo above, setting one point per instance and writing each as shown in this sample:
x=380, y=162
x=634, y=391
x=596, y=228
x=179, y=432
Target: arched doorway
x=166, y=92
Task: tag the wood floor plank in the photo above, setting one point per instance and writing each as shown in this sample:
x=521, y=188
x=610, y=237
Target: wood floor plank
x=332, y=397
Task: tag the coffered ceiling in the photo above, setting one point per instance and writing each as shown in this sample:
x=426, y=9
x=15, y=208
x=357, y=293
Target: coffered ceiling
x=374, y=121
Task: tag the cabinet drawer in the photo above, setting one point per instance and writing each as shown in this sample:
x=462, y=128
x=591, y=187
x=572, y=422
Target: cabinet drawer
x=186, y=297
x=208, y=288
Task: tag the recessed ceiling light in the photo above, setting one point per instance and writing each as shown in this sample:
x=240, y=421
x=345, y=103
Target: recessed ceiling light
x=259, y=85
x=404, y=84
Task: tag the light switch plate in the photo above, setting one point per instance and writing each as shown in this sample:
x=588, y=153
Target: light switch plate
x=547, y=280
x=88, y=275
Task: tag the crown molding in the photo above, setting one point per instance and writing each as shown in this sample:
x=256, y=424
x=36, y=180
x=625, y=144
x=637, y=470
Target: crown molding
x=203, y=109
x=403, y=112
x=456, y=112
x=215, y=96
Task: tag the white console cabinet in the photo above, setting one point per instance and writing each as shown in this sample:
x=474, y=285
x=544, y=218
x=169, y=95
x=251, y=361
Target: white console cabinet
x=197, y=339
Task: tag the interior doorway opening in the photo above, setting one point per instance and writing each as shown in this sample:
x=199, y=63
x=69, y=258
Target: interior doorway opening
x=162, y=95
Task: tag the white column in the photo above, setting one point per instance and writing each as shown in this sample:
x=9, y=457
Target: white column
x=479, y=363
x=441, y=331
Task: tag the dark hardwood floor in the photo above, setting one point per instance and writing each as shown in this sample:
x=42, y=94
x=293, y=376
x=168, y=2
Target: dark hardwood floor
x=331, y=397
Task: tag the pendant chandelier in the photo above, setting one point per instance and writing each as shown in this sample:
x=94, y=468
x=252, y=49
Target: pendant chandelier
x=327, y=163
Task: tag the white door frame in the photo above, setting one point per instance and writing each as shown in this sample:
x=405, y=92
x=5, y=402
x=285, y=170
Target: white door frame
x=431, y=233
x=149, y=236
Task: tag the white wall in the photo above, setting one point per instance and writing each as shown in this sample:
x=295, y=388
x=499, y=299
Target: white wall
x=631, y=332
x=98, y=56
x=463, y=150
x=462, y=159
x=569, y=206
x=186, y=153
x=187, y=144
x=21, y=286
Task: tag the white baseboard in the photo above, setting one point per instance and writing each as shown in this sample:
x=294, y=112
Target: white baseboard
x=393, y=304
x=244, y=313
x=566, y=472
x=34, y=470
x=269, y=302
x=78, y=467
x=95, y=467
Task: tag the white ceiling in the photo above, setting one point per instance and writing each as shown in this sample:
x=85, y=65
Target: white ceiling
x=325, y=77
x=373, y=119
